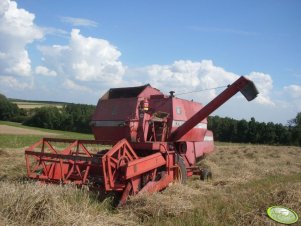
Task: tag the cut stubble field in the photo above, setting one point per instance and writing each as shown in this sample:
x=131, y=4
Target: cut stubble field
x=247, y=179
x=33, y=105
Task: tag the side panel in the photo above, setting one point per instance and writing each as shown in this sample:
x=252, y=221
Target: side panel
x=182, y=111
x=196, y=150
x=112, y=119
x=115, y=109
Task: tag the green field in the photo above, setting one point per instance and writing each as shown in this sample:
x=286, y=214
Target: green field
x=19, y=141
x=247, y=179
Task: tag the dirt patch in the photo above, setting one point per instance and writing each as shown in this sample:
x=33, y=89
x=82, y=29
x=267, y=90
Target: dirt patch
x=5, y=129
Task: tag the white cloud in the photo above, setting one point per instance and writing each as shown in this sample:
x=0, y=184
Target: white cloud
x=293, y=90
x=264, y=84
x=69, y=84
x=85, y=59
x=55, y=31
x=186, y=76
x=41, y=70
x=74, y=21
x=17, y=29
x=12, y=82
x=293, y=94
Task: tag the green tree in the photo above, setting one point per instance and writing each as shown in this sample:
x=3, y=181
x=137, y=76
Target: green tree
x=270, y=133
x=295, y=128
x=72, y=117
x=253, y=134
x=283, y=135
x=242, y=131
x=261, y=129
x=8, y=110
x=46, y=117
x=78, y=117
x=296, y=121
x=214, y=124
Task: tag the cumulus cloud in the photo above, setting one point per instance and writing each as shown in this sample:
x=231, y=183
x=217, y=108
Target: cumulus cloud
x=17, y=29
x=41, y=70
x=85, y=59
x=188, y=76
x=69, y=84
x=12, y=82
x=264, y=84
x=74, y=21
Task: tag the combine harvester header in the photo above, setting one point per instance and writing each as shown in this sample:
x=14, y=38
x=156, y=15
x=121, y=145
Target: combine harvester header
x=144, y=140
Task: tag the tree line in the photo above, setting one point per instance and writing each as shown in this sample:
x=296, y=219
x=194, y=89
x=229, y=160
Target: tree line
x=242, y=131
x=71, y=117
x=10, y=111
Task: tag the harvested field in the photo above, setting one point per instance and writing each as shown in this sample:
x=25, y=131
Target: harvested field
x=6, y=129
x=247, y=179
x=32, y=105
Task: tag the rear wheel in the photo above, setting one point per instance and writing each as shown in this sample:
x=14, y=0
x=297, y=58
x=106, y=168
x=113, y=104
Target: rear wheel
x=180, y=170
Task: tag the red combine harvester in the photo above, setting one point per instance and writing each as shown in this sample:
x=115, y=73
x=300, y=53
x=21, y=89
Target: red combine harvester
x=144, y=140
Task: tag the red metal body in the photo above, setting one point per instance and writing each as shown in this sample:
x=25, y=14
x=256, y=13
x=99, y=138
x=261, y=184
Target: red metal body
x=144, y=140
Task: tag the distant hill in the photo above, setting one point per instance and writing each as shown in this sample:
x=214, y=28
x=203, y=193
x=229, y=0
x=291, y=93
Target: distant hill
x=29, y=104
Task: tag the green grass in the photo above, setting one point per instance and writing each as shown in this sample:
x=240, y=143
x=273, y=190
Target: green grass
x=65, y=133
x=17, y=141
x=20, y=141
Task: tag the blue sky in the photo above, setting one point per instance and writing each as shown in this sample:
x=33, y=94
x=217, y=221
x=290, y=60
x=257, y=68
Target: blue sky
x=75, y=50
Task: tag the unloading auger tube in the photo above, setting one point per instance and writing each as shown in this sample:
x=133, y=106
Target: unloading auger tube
x=244, y=85
x=144, y=141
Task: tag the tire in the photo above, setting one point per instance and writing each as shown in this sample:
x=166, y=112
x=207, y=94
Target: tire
x=206, y=175
x=181, y=171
